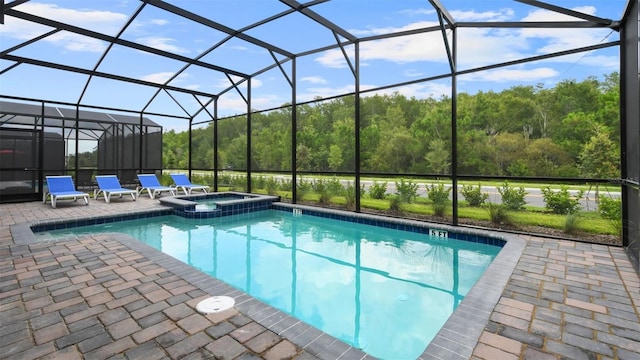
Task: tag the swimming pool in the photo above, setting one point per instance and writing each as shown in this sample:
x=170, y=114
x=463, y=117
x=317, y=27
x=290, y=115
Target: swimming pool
x=376, y=288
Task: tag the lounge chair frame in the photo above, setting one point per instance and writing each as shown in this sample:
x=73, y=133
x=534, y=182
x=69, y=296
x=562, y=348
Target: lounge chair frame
x=182, y=182
x=62, y=187
x=109, y=185
x=150, y=183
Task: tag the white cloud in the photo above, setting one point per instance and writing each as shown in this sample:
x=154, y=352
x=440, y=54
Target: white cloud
x=419, y=91
x=371, y=31
x=476, y=46
x=106, y=22
x=160, y=22
x=162, y=43
x=561, y=39
x=412, y=73
x=470, y=15
x=422, y=11
x=102, y=21
x=546, y=15
x=223, y=83
x=326, y=91
x=158, y=78
x=163, y=77
x=74, y=42
x=314, y=79
x=239, y=48
x=509, y=75
x=605, y=62
x=419, y=47
x=231, y=104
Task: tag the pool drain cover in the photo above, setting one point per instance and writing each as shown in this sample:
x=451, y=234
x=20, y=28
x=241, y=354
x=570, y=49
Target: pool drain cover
x=215, y=304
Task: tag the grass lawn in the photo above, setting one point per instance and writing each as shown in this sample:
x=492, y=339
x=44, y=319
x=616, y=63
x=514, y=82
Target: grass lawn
x=588, y=221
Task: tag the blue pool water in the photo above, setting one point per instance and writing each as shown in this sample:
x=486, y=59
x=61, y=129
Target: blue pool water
x=385, y=291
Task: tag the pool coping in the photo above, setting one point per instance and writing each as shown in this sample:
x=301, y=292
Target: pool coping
x=456, y=339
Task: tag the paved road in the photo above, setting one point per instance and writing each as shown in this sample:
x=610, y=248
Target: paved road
x=534, y=195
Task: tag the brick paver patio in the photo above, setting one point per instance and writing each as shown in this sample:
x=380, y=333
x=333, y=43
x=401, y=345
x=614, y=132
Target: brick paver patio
x=106, y=297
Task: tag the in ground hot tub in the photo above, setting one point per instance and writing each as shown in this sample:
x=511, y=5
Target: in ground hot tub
x=203, y=206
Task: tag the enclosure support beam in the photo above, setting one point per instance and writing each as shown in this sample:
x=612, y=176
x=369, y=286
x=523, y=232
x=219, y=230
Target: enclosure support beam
x=357, y=125
x=294, y=131
x=248, y=135
x=190, y=146
x=76, y=157
x=454, y=129
x=630, y=130
x=216, y=165
x=143, y=140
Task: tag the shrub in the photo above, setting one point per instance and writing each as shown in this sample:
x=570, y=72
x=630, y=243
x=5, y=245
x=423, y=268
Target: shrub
x=259, y=182
x=561, y=202
x=474, y=196
x=239, y=183
x=611, y=209
x=165, y=179
x=321, y=188
x=224, y=180
x=439, y=195
x=395, y=204
x=271, y=184
x=285, y=185
x=335, y=186
x=498, y=213
x=571, y=222
x=304, y=187
x=378, y=190
x=512, y=198
x=407, y=190
x=201, y=179
x=350, y=196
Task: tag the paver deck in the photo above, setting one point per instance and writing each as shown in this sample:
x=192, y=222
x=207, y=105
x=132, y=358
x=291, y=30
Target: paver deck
x=109, y=297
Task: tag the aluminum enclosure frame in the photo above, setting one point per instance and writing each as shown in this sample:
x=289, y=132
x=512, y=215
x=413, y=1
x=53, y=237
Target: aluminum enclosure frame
x=285, y=59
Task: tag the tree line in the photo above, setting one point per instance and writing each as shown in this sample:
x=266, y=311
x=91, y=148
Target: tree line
x=569, y=130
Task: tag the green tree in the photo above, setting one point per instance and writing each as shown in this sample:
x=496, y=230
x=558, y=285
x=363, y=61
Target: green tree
x=600, y=157
x=335, y=157
x=438, y=157
x=545, y=158
x=508, y=147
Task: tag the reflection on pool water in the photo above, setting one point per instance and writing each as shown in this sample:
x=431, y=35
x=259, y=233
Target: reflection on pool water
x=385, y=291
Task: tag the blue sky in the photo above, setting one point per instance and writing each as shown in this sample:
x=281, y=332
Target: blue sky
x=323, y=74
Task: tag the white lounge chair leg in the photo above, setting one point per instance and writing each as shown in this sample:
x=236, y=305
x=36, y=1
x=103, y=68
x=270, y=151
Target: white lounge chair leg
x=53, y=201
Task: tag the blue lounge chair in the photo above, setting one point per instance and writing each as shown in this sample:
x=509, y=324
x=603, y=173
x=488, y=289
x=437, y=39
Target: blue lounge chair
x=150, y=183
x=182, y=182
x=61, y=187
x=110, y=185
